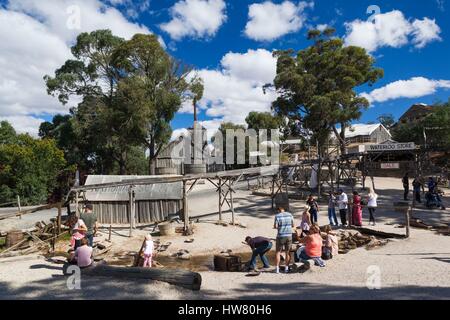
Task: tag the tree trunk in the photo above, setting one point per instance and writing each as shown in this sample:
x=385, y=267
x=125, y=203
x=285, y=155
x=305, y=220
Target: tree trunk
x=122, y=168
x=151, y=166
x=341, y=137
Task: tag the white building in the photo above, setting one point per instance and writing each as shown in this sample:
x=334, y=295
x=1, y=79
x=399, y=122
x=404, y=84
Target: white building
x=357, y=136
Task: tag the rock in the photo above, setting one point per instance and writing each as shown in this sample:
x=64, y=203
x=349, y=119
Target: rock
x=185, y=256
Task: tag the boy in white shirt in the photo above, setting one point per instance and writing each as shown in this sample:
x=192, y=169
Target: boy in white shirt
x=342, y=205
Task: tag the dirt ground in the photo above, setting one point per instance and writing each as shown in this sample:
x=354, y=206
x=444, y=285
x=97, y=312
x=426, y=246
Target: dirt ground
x=416, y=268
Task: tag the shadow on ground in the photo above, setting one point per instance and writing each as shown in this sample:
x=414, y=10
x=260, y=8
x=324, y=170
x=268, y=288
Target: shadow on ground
x=311, y=291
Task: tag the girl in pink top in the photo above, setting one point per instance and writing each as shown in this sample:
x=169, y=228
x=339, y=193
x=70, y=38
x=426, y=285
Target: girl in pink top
x=148, y=251
x=305, y=223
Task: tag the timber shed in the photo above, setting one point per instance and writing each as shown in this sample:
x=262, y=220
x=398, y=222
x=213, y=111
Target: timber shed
x=153, y=202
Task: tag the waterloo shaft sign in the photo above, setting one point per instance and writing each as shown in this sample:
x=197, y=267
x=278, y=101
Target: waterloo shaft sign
x=391, y=147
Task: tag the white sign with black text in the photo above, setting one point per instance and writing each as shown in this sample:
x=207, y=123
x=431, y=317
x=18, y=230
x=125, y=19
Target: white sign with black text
x=391, y=147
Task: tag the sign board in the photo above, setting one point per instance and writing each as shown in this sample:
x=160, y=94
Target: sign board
x=391, y=147
x=390, y=165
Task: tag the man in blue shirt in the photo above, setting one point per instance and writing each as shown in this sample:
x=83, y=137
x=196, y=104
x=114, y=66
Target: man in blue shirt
x=283, y=223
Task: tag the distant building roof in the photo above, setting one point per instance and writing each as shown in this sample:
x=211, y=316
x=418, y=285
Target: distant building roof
x=416, y=112
x=169, y=191
x=359, y=129
x=292, y=141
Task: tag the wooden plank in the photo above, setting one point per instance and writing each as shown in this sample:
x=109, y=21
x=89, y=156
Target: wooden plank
x=40, y=208
x=187, y=279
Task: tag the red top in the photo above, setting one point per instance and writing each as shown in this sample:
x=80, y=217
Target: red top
x=314, y=245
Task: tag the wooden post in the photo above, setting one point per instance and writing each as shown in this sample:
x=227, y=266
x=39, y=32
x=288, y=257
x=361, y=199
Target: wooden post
x=273, y=192
x=54, y=238
x=58, y=220
x=185, y=208
x=220, y=199
x=319, y=173
x=407, y=213
x=231, y=204
x=19, y=206
x=77, y=212
x=130, y=194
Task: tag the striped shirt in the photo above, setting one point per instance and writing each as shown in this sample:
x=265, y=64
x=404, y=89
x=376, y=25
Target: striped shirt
x=284, y=221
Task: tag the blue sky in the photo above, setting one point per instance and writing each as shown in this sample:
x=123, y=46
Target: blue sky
x=229, y=44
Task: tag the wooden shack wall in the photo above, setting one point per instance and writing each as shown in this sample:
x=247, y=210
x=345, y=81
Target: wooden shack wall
x=117, y=212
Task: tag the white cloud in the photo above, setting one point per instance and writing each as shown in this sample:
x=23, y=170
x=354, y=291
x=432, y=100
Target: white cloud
x=24, y=124
x=133, y=8
x=425, y=31
x=391, y=29
x=35, y=40
x=413, y=88
x=256, y=66
x=178, y=133
x=236, y=88
x=269, y=21
x=195, y=18
x=61, y=17
x=322, y=27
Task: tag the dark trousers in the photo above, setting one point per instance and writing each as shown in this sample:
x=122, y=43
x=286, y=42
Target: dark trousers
x=372, y=216
x=90, y=239
x=313, y=215
x=260, y=251
x=343, y=214
x=405, y=194
x=417, y=195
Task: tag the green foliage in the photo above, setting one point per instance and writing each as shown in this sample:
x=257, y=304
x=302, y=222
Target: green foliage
x=387, y=120
x=436, y=125
x=262, y=120
x=30, y=168
x=222, y=131
x=130, y=92
x=7, y=133
x=316, y=86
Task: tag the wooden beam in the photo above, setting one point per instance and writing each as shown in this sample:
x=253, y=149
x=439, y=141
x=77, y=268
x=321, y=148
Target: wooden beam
x=192, y=186
x=130, y=206
x=185, y=208
x=220, y=199
x=58, y=219
x=19, y=206
x=187, y=279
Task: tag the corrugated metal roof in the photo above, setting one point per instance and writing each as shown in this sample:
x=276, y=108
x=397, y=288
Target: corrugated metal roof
x=162, y=191
x=359, y=129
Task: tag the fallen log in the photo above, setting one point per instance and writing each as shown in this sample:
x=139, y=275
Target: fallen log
x=186, y=279
x=380, y=234
x=417, y=223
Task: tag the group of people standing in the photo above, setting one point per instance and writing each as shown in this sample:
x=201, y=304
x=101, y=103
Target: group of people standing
x=431, y=196
x=83, y=231
x=341, y=202
x=312, y=243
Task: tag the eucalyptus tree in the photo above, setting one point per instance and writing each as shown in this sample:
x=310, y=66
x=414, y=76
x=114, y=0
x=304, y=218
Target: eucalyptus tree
x=317, y=84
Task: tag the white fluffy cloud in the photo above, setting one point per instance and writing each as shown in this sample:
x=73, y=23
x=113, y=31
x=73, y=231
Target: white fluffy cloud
x=195, y=18
x=425, y=31
x=236, y=88
x=269, y=21
x=132, y=8
x=35, y=40
x=391, y=29
x=413, y=88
